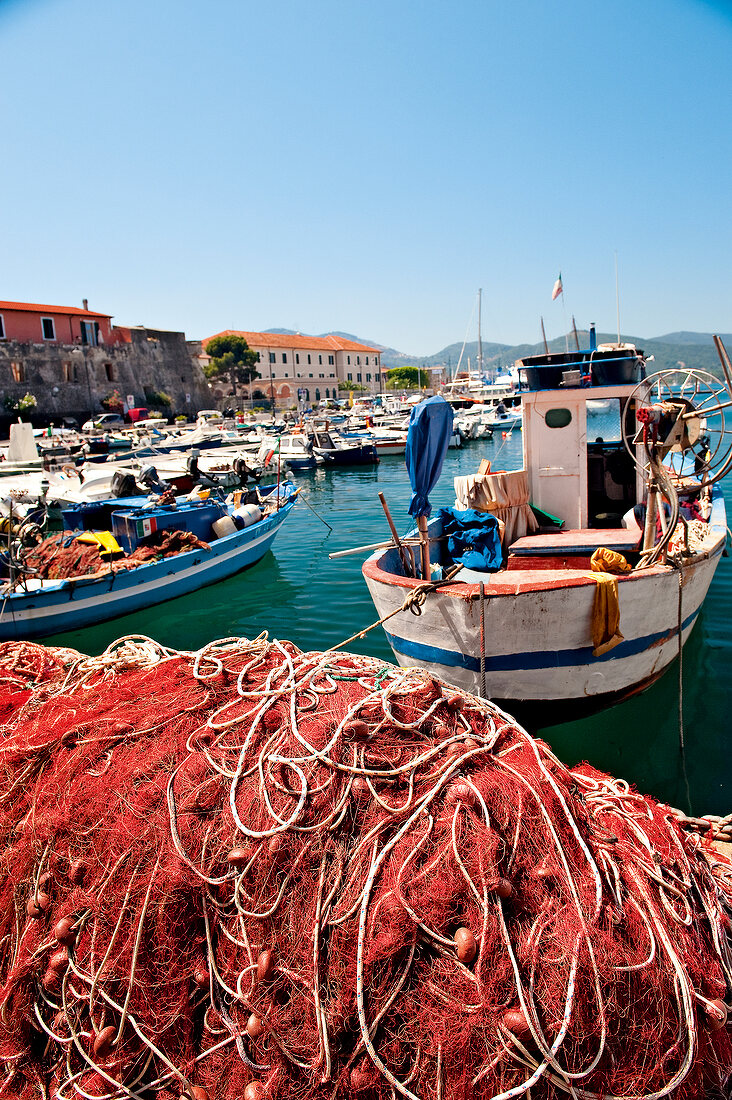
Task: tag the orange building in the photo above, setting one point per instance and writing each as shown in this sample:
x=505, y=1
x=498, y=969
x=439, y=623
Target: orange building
x=30, y=323
x=309, y=367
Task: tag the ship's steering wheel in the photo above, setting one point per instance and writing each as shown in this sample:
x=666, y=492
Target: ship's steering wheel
x=683, y=419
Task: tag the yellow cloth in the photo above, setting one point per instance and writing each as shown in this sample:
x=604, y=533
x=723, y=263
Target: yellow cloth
x=606, y=608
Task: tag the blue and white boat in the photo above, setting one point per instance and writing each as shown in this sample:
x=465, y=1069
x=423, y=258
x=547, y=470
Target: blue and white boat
x=541, y=627
x=233, y=539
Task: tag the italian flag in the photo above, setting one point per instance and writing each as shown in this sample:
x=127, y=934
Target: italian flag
x=557, y=287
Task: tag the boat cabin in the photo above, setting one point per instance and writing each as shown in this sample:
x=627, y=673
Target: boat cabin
x=578, y=467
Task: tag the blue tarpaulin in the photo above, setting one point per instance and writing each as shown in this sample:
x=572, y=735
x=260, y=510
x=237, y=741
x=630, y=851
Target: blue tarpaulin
x=430, y=428
x=472, y=538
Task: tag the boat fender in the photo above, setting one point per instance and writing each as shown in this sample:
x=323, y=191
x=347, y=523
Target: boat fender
x=247, y=514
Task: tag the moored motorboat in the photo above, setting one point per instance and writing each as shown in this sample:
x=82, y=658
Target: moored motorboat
x=152, y=554
x=544, y=629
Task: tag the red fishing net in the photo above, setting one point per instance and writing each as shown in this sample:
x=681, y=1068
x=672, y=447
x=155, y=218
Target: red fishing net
x=63, y=555
x=258, y=872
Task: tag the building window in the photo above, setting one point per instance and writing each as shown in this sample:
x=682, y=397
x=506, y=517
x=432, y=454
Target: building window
x=2, y=327
x=330, y=360
x=350, y=377
x=367, y=360
x=321, y=376
x=317, y=395
x=310, y=376
x=368, y=377
x=272, y=357
x=320, y=360
x=309, y=362
x=48, y=328
x=327, y=393
x=358, y=377
x=66, y=368
x=297, y=359
x=284, y=356
x=18, y=372
x=109, y=368
x=349, y=360
x=358, y=360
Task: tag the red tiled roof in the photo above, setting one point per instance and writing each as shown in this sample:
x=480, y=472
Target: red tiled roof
x=32, y=307
x=283, y=340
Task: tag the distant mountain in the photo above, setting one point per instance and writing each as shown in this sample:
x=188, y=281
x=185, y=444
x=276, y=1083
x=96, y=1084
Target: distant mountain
x=685, y=349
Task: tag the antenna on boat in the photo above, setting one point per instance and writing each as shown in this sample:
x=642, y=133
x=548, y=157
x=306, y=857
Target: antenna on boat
x=617, y=293
x=543, y=333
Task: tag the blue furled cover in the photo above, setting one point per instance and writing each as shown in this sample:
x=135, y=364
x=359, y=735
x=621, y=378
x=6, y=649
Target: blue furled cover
x=472, y=538
x=430, y=428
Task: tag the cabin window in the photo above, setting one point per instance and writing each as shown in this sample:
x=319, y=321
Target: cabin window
x=48, y=328
x=558, y=418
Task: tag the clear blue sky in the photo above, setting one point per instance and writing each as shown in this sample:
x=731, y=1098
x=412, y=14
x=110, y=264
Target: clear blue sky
x=366, y=165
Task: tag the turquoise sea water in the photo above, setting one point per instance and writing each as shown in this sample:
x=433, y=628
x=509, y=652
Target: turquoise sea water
x=295, y=592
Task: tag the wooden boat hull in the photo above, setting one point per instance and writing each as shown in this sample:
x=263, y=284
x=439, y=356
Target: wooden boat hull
x=54, y=606
x=538, y=632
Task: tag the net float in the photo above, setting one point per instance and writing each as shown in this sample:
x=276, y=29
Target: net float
x=271, y=720
x=254, y=1091
x=52, y=979
x=515, y=1020
x=59, y=960
x=265, y=965
x=360, y=787
x=239, y=857
x=441, y=733
x=274, y=844
x=201, y=976
x=37, y=905
x=45, y=879
x=454, y=700
x=65, y=931
x=715, y=1013
x=503, y=888
x=255, y=1026
x=466, y=945
x=196, y=1092
x=357, y=731
x=103, y=1040
x=461, y=792
x=470, y=744
x=77, y=870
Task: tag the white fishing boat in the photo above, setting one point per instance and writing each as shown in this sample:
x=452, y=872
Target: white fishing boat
x=217, y=539
x=546, y=626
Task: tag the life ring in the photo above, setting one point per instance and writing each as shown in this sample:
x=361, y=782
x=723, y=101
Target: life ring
x=69, y=471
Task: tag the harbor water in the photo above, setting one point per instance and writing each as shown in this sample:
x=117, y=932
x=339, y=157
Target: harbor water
x=296, y=592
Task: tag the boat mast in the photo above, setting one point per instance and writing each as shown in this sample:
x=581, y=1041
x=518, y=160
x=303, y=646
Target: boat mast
x=574, y=330
x=480, y=335
x=617, y=294
x=543, y=333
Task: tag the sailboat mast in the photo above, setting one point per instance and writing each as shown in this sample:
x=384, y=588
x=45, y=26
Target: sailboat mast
x=480, y=335
x=574, y=329
x=543, y=333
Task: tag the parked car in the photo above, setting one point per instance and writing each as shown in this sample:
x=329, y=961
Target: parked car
x=103, y=423
x=140, y=413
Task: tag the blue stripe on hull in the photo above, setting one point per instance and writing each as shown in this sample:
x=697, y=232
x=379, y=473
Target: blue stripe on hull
x=139, y=588
x=531, y=660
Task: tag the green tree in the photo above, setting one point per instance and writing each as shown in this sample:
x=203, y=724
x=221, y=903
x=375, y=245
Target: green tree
x=355, y=386
x=405, y=378
x=231, y=356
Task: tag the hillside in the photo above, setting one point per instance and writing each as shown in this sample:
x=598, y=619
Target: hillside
x=686, y=349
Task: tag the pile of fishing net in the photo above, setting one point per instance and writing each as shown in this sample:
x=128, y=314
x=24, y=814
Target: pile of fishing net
x=256, y=872
x=64, y=555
